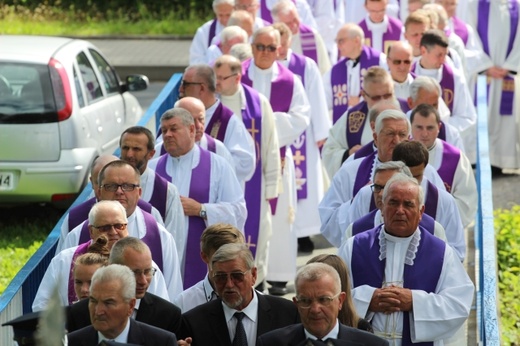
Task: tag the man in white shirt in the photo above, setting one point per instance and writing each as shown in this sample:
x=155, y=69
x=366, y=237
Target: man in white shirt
x=399, y=59
x=410, y=284
x=380, y=30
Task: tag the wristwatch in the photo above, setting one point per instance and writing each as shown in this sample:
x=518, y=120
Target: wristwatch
x=202, y=212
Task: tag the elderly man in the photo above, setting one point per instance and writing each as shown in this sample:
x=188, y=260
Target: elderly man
x=399, y=59
x=302, y=6
x=257, y=115
x=206, y=33
x=229, y=36
x=319, y=299
x=111, y=305
x=409, y=283
x=150, y=309
x=343, y=82
x=240, y=315
x=252, y=7
x=305, y=40
x=380, y=30
x=451, y=164
x=199, y=82
x=210, y=191
x=105, y=218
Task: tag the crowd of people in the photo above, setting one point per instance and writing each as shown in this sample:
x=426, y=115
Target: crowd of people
x=347, y=118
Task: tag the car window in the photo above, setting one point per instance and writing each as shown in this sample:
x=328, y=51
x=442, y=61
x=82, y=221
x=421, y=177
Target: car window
x=79, y=91
x=89, y=78
x=107, y=73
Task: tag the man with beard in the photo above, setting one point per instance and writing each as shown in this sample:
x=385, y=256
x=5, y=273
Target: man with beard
x=240, y=313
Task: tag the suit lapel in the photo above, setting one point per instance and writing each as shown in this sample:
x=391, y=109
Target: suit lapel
x=264, y=315
x=219, y=324
x=146, y=309
x=135, y=335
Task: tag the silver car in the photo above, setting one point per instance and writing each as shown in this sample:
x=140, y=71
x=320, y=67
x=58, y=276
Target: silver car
x=61, y=105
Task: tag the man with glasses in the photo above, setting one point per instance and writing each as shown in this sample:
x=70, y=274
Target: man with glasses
x=106, y=218
x=399, y=59
x=120, y=181
x=149, y=308
x=240, y=314
x=319, y=300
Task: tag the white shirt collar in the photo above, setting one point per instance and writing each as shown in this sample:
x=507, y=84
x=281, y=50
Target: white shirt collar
x=251, y=310
x=123, y=337
x=333, y=334
x=209, y=292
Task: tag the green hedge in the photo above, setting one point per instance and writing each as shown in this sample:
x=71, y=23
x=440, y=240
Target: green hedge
x=507, y=227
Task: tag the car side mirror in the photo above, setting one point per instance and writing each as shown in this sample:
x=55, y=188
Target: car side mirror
x=136, y=82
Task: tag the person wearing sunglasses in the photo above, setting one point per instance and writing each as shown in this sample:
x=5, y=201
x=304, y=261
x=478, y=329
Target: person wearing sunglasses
x=399, y=59
x=241, y=313
x=319, y=299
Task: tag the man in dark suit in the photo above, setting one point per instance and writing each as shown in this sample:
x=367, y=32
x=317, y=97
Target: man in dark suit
x=240, y=313
x=150, y=309
x=319, y=299
x=111, y=303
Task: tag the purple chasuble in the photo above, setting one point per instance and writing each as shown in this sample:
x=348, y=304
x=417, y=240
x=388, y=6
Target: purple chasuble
x=308, y=41
x=366, y=223
x=460, y=29
x=218, y=124
x=450, y=160
x=356, y=118
x=79, y=213
x=392, y=33
x=80, y=250
x=367, y=269
x=364, y=173
x=338, y=79
x=252, y=117
x=212, y=31
x=159, y=195
x=508, y=84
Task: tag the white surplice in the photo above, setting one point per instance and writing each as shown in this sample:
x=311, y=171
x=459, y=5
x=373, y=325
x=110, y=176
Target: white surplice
x=200, y=43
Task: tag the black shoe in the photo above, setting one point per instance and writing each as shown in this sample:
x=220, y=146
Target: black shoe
x=277, y=288
x=305, y=245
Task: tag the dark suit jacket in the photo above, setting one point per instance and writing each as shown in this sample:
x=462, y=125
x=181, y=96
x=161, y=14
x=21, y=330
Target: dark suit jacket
x=206, y=323
x=139, y=334
x=294, y=336
x=153, y=310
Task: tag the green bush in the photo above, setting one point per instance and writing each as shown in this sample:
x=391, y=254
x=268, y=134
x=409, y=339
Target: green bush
x=507, y=228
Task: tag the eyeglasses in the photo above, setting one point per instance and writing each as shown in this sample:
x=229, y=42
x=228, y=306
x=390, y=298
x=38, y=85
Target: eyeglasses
x=378, y=97
x=186, y=83
x=306, y=303
x=262, y=47
x=124, y=187
x=399, y=62
x=149, y=272
x=108, y=228
x=377, y=188
x=236, y=277
x=220, y=79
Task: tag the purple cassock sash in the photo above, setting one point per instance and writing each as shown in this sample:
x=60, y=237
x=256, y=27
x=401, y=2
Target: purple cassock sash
x=460, y=28
x=212, y=145
x=356, y=118
x=392, y=33
x=308, y=41
x=79, y=213
x=508, y=85
x=194, y=268
x=450, y=160
x=366, y=223
x=364, y=173
x=159, y=195
x=431, y=200
x=365, y=150
x=367, y=269
x=299, y=147
x=212, y=31
x=218, y=124
x=265, y=13
x=281, y=96
x=80, y=250
x=252, y=117
x=338, y=79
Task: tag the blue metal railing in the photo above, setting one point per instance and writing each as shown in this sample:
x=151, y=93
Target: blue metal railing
x=18, y=297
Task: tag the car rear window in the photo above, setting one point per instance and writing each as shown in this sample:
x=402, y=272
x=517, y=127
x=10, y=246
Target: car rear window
x=26, y=94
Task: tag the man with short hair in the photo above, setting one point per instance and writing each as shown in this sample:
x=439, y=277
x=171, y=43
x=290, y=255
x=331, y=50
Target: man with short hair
x=210, y=191
x=399, y=59
x=415, y=26
x=252, y=7
x=229, y=36
x=302, y=6
x=380, y=30
x=240, y=314
x=111, y=305
x=150, y=309
x=318, y=299
x=410, y=284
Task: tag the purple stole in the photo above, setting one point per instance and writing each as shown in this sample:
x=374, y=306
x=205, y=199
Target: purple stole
x=280, y=99
x=79, y=213
x=338, y=79
x=308, y=41
x=217, y=126
x=366, y=223
x=365, y=150
x=265, y=13
x=212, y=145
x=403, y=104
x=299, y=147
x=508, y=85
x=212, y=31
x=356, y=119
x=367, y=269
x=431, y=200
x=160, y=194
x=460, y=29
x=252, y=117
x=80, y=250
x=194, y=268
x=442, y=132
x=450, y=160
x=363, y=173
x=447, y=83
x=392, y=33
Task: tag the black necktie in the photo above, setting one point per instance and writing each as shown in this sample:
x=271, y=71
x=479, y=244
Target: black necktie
x=240, y=333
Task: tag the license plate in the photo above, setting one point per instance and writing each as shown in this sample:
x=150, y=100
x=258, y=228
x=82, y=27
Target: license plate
x=6, y=181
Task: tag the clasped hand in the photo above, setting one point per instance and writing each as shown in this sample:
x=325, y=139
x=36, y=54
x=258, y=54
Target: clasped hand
x=391, y=299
